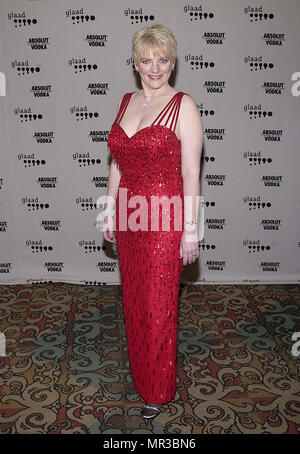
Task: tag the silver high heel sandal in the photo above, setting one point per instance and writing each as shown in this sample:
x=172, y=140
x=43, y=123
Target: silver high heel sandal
x=150, y=410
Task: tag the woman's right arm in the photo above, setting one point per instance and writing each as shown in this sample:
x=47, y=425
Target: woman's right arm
x=114, y=177
x=112, y=192
x=113, y=184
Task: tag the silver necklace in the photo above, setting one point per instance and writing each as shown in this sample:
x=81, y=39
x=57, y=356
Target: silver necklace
x=148, y=98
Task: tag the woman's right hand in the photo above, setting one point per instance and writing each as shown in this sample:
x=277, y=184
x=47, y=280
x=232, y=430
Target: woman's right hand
x=108, y=229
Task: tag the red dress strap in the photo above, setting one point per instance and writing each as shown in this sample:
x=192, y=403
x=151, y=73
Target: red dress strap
x=172, y=108
x=123, y=107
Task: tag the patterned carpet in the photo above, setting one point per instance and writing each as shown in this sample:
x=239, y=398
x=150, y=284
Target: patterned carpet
x=66, y=367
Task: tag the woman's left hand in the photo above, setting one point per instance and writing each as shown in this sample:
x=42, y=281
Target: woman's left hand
x=189, y=247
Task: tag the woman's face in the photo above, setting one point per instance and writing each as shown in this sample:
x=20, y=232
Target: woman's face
x=155, y=70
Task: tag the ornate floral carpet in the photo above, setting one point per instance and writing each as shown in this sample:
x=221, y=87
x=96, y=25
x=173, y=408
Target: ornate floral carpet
x=66, y=369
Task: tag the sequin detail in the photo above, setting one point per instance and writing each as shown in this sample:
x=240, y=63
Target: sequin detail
x=150, y=264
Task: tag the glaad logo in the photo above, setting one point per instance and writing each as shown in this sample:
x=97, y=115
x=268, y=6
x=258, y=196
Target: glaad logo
x=296, y=346
x=23, y=67
x=137, y=16
x=20, y=20
x=256, y=13
x=255, y=111
x=89, y=246
x=29, y=160
x=255, y=246
x=81, y=113
x=196, y=62
x=80, y=65
x=38, y=246
x=33, y=204
x=205, y=112
x=197, y=13
x=84, y=159
x=78, y=16
x=255, y=202
x=256, y=63
x=27, y=114
x=255, y=158
x=86, y=203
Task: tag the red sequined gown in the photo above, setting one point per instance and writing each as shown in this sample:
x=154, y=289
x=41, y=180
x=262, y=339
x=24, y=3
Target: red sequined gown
x=149, y=260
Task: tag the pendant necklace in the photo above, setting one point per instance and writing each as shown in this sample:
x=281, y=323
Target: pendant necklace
x=148, y=98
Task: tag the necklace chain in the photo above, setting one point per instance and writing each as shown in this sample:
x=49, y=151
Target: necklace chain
x=148, y=98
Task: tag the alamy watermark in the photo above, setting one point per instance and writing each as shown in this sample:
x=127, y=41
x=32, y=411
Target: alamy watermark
x=295, y=89
x=2, y=84
x=138, y=218
x=2, y=344
x=296, y=345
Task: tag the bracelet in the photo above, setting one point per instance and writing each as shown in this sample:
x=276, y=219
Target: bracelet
x=108, y=213
x=190, y=222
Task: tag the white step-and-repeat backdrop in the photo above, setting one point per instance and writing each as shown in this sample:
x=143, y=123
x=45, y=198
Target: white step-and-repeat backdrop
x=64, y=66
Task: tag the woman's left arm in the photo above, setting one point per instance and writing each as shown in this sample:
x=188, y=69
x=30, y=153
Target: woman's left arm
x=191, y=136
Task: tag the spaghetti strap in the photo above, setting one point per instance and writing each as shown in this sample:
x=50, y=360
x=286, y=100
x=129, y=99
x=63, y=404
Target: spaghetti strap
x=123, y=107
x=172, y=108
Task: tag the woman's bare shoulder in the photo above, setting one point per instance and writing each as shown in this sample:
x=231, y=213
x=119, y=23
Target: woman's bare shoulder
x=188, y=99
x=120, y=100
x=188, y=105
x=122, y=97
x=189, y=118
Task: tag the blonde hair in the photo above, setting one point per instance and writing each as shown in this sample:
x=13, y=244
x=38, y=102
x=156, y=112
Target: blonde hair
x=157, y=37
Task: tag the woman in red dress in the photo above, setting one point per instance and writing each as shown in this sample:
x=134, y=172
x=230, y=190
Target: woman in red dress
x=155, y=143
